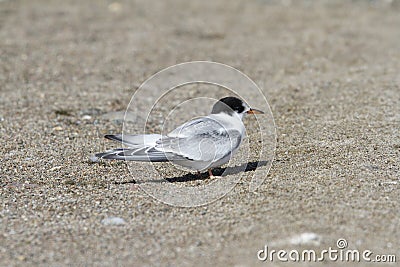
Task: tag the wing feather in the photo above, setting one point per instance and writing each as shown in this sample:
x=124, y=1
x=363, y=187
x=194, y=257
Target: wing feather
x=201, y=140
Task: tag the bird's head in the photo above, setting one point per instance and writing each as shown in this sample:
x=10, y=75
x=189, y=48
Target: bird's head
x=233, y=105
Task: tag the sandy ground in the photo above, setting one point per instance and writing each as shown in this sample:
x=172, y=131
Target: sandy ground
x=330, y=72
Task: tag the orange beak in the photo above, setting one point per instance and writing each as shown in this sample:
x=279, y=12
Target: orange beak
x=254, y=111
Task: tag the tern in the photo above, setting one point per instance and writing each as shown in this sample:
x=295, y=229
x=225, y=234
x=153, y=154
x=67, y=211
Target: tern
x=199, y=144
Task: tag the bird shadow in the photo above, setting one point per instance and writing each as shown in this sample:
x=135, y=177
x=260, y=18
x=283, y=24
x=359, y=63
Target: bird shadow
x=245, y=167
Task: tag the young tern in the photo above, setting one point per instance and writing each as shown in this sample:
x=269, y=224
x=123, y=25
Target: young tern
x=200, y=144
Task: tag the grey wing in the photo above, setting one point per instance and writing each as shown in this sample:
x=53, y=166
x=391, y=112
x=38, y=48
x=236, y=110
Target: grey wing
x=195, y=126
x=201, y=140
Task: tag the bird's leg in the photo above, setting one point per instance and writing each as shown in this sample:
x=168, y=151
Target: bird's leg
x=198, y=173
x=210, y=173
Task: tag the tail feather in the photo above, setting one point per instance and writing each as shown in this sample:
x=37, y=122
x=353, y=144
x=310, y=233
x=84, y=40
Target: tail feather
x=134, y=154
x=140, y=148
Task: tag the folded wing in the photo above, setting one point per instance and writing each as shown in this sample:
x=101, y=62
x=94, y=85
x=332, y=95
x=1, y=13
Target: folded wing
x=203, y=139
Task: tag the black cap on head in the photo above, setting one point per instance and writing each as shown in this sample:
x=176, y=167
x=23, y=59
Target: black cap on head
x=228, y=105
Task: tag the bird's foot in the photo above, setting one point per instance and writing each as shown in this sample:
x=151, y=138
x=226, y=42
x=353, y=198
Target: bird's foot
x=210, y=173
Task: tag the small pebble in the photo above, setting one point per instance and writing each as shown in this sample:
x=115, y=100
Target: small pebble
x=113, y=221
x=305, y=239
x=86, y=117
x=57, y=128
x=93, y=158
